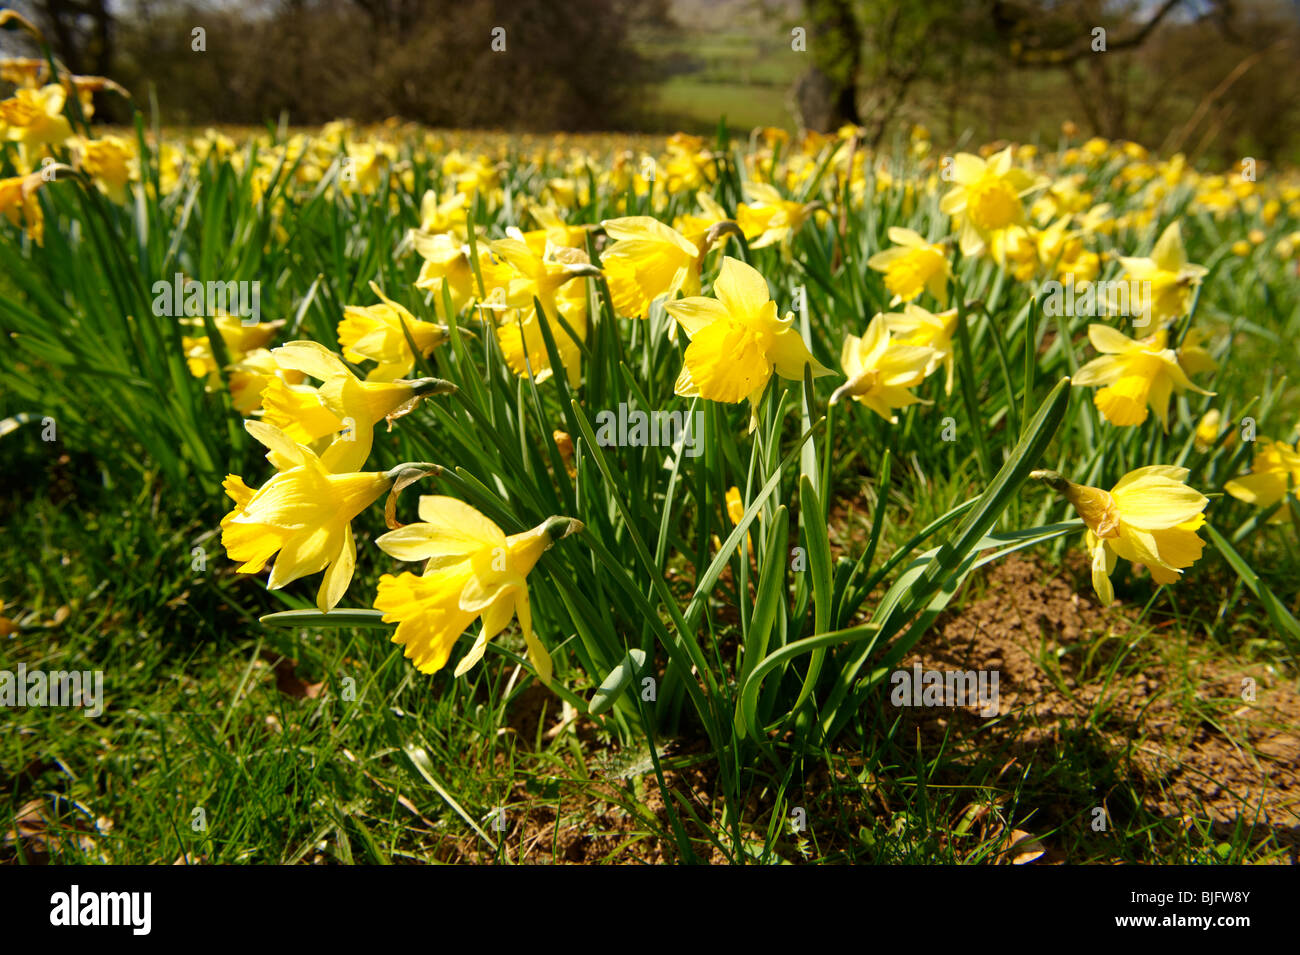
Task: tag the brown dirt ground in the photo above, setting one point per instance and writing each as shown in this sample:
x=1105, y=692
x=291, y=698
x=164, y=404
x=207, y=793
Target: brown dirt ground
x=1240, y=764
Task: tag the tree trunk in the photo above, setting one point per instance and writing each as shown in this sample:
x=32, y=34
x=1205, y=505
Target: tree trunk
x=826, y=95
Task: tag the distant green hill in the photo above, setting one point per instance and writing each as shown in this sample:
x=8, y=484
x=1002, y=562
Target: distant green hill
x=725, y=58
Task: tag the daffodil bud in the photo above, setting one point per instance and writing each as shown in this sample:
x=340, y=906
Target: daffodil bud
x=12, y=16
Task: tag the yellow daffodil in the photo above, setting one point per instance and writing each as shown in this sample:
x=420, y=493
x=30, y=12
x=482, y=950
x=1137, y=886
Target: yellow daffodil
x=303, y=513
x=686, y=166
x=450, y=215
x=446, y=263
x=1016, y=249
x=703, y=229
x=737, y=341
x=880, y=371
x=216, y=144
x=913, y=266
x=109, y=161
x=735, y=511
x=471, y=175
x=363, y=168
x=1136, y=375
x=566, y=192
x=238, y=337
x=1172, y=278
x=249, y=377
x=34, y=118
x=1194, y=357
x=86, y=87
x=564, y=445
x=648, y=260
x=1061, y=197
x=1274, y=472
x=735, y=505
x=538, y=270
x=340, y=414
x=171, y=167
x=1063, y=251
x=916, y=326
x=557, y=231
x=27, y=73
x=546, y=275
x=375, y=333
x=769, y=218
x=1149, y=517
x=623, y=175
x=523, y=344
x=1208, y=430
x=18, y=204
x=473, y=570
x=986, y=198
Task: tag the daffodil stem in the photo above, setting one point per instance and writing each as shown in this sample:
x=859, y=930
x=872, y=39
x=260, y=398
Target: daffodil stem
x=1031, y=356
x=968, y=384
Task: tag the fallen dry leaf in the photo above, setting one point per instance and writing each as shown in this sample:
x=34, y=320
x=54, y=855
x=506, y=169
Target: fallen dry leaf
x=1024, y=849
x=39, y=833
x=287, y=680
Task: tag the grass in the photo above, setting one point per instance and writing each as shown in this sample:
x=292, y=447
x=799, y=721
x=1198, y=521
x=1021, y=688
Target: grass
x=292, y=763
x=694, y=105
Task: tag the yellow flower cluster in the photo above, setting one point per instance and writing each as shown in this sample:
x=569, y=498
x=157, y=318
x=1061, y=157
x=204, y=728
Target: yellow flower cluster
x=318, y=439
x=675, y=250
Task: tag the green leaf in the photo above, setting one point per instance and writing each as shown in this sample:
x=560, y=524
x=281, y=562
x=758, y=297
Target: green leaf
x=616, y=682
x=818, y=540
x=1024, y=458
x=339, y=617
x=1281, y=618
x=771, y=587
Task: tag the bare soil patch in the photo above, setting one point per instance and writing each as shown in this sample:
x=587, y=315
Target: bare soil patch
x=1238, y=764
x=1132, y=723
